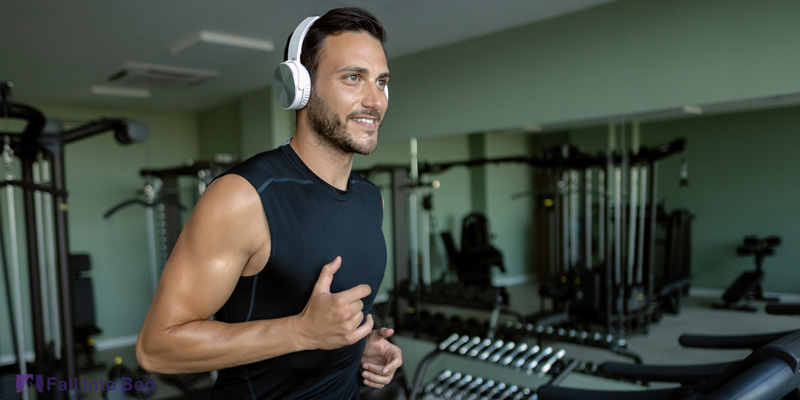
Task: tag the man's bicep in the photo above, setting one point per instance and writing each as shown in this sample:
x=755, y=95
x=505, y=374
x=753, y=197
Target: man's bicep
x=211, y=253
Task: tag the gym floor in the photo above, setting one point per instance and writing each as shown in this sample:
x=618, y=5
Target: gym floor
x=659, y=346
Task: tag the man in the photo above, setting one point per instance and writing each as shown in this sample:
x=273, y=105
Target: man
x=286, y=250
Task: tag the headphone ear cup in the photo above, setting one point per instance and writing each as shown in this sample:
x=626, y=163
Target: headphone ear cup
x=291, y=85
x=303, y=86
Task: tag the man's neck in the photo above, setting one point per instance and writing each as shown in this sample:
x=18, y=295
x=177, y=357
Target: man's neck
x=329, y=164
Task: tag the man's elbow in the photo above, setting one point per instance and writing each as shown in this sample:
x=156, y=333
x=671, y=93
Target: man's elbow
x=147, y=359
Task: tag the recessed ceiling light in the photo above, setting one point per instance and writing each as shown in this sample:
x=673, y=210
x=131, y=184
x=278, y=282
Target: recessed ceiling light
x=219, y=48
x=693, y=110
x=120, y=92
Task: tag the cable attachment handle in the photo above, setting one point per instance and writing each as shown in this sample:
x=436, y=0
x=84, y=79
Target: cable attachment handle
x=8, y=159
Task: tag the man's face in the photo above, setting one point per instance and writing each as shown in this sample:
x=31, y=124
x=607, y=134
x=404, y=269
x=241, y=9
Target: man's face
x=348, y=102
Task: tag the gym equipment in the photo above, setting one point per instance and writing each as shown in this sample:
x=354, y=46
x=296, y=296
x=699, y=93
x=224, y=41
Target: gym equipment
x=747, y=287
x=609, y=342
x=477, y=256
x=44, y=140
x=519, y=357
x=85, y=322
x=155, y=214
x=783, y=308
x=589, y=277
x=598, y=262
x=770, y=372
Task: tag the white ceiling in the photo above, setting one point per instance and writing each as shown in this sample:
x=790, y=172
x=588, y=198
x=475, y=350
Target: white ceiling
x=55, y=51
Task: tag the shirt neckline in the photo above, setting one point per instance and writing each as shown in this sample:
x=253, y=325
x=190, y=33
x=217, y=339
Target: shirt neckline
x=320, y=183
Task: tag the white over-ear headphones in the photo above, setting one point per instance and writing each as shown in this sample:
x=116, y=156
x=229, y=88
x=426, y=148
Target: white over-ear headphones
x=291, y=82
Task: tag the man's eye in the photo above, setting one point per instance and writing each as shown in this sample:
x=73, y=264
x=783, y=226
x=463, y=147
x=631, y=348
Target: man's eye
x=352, y=78
x=382, y=83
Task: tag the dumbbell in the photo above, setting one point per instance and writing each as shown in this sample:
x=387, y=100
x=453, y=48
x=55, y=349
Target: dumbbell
x=447, y=342
x=494, y=347
x=508, y=392
x=483, y=389
x=458, y=343
x=457, y=386
x=525, y=394
x=438, y=390
x=438, y=381
x=475, y=351
x=499, y=387
x=520, y=362
x=497, y=355
x=464, y=392
x=545, y=368
x=469, y=345
x=517, y=351
x=511, y=325
x=537, y=359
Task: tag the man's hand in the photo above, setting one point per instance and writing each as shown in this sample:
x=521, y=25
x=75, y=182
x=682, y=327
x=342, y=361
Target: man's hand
x=331, y=320
x=380, y=359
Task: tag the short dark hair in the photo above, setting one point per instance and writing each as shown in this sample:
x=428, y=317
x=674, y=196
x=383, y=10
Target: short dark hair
x=334, y=22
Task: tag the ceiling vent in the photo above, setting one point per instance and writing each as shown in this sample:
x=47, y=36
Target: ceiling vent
x=152, y=76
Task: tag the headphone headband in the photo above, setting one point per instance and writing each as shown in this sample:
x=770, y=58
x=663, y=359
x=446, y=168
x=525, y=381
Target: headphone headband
x=296, y=43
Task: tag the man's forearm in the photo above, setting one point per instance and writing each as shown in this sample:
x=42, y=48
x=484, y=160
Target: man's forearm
x=206, y=345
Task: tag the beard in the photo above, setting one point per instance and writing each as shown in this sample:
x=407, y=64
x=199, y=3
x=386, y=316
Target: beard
x=333, y=133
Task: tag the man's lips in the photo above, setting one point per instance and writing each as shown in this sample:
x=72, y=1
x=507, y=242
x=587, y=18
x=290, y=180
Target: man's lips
x=366, y=122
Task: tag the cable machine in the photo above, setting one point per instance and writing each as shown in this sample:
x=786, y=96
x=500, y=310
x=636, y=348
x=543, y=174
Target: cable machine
x=40, y=149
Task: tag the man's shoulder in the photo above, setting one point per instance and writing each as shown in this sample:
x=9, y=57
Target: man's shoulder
x=261, y=161
x=261, y=167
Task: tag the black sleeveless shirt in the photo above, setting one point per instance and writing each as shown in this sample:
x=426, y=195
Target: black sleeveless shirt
x=310, y=223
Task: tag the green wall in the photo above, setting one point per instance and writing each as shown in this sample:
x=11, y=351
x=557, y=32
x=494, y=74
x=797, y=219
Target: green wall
x=245, y=127
x=219, y=131
x=100, y=174
x=741, y=173
x=616, y=59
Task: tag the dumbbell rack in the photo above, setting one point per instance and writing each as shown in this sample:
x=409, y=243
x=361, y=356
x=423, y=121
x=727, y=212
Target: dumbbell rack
x=454, y=385
x=493, y=299
x=609, y=342
x=519, y=357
